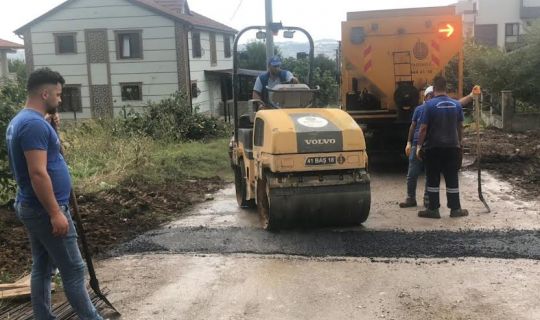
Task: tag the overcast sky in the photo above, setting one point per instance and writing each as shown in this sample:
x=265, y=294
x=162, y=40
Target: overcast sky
x=321, y=18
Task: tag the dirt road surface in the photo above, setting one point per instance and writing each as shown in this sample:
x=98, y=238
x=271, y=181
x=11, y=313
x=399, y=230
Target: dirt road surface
x=216, y=263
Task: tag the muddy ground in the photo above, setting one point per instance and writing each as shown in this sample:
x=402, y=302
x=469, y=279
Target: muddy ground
x=513, y=156
x=111, y=217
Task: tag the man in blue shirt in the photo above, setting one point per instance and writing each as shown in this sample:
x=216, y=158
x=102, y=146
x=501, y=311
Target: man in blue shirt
x=274, y=76
x=44, y=187
x=416, y=166
x=441, y=136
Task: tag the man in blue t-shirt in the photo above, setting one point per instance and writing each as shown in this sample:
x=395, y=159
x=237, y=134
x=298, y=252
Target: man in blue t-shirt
x=43, y=193
x=439, y=146
x=416, y=166
x=274, y=76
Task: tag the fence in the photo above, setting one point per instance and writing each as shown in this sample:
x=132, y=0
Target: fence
x=500, y=111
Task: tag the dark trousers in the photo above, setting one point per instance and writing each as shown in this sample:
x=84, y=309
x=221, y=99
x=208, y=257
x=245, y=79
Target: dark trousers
x=445, y=161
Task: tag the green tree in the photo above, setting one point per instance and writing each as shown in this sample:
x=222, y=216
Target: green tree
x=324, y=75
x=254, y=56
x=495, y=70
x=19, y=68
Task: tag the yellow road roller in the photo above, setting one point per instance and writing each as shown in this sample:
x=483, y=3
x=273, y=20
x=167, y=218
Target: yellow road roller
x=299, y=165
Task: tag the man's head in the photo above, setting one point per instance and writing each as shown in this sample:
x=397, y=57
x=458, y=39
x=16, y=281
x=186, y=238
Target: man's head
x=439, y=85
x=44, y=88
x=274, y=65
x=428, y=93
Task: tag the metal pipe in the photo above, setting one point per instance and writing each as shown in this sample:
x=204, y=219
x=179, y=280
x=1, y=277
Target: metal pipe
x=235, y=84
x=269, y=33
x=311, y=51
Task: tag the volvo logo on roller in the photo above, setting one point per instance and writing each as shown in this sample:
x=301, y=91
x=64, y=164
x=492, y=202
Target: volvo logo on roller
x=320, y=141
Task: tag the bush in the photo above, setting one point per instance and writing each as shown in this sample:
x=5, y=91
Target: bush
x=12, y=97
x=171, y=119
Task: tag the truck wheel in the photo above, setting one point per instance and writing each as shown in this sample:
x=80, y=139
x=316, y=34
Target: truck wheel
x=241, y=186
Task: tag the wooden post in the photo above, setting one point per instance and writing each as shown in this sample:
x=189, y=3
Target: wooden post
x=507, y=110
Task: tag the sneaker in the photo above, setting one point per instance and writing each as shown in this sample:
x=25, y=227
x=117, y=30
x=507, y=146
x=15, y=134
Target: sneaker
x=456, y=213
x=428, y=213
x=408, y=203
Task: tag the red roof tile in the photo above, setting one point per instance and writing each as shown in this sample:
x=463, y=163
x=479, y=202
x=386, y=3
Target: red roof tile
x=4, y=44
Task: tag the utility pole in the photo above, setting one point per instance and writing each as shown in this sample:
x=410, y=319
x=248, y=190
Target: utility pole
x=269, y=33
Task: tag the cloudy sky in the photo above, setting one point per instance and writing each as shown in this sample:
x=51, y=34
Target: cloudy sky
x=321, y=18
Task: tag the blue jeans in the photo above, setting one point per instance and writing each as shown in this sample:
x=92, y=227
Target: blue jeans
x=416, y=167
x=48, y=252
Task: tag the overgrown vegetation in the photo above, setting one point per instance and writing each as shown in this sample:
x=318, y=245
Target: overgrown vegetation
x=167, y=141
x=12, y=97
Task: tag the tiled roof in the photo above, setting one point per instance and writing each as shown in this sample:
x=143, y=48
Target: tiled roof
x=4, y=44
x=166, y=7
x=169, y=8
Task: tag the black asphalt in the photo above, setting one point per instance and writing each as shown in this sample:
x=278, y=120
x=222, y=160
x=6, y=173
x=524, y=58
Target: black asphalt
x=358, y=243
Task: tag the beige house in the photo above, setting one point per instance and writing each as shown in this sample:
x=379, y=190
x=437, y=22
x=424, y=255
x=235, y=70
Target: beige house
x=5, y=48
x=497, y=23
x=116, y=53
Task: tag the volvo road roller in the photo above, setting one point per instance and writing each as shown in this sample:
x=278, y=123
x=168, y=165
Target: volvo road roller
x=298, y=164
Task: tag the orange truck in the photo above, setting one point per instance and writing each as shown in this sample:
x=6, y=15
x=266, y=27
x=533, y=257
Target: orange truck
x=388, y=58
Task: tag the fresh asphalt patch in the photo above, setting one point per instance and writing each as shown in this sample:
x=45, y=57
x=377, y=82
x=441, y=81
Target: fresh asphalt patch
x=513, y=244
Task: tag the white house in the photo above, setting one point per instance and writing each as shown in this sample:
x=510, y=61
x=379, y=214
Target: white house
x=116, y=53
x=498, y=23
x=5, y=48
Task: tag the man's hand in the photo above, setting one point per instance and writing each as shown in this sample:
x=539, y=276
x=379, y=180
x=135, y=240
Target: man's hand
x=60, y=224
x=408, y=149
x=53, y=119
x=419, y=154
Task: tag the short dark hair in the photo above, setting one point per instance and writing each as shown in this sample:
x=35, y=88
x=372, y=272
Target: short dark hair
x=439, y=84
x=43, y=76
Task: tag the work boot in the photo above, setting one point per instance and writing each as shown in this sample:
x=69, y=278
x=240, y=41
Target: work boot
x=456, y=213
x=428, y=213
x=408, y=203
x=426, y=202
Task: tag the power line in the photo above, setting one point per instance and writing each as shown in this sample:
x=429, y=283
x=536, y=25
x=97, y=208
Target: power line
x=236, y=10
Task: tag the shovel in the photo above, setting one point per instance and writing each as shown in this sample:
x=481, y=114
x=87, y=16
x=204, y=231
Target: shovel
x=94, y=283
x=477, y=92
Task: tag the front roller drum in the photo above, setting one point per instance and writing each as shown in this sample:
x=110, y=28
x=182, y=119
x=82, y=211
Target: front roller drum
x=339, y=205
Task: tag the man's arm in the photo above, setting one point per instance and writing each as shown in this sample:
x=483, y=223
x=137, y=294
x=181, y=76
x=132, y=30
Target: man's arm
x=256, y=95
x=42, y=185
x=410, y=137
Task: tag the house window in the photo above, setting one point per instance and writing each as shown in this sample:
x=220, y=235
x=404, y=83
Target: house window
x=511, y=36
x=129, y=44
x=65, y=43
x=71, y=99
x=196, y=44
x=213, y=50
x=227, y=46
x=131, y=91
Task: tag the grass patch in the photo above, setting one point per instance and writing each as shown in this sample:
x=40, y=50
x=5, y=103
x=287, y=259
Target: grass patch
x=98, y=160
